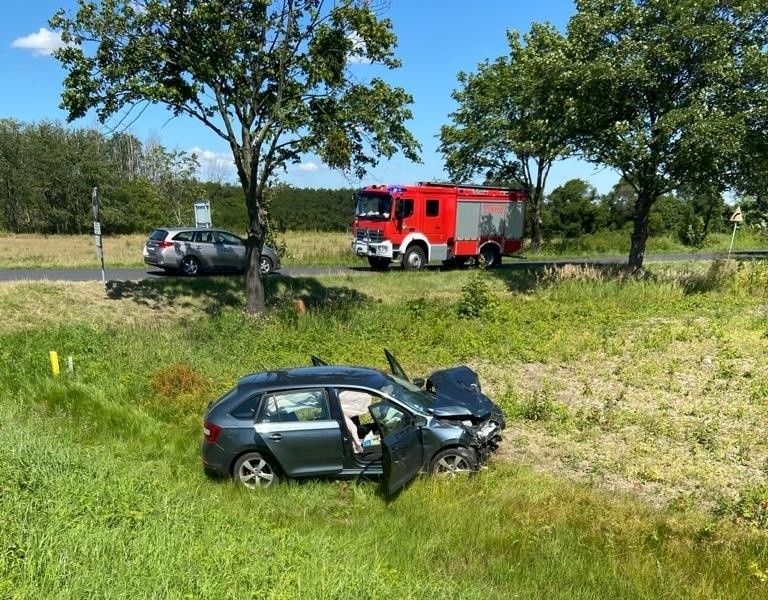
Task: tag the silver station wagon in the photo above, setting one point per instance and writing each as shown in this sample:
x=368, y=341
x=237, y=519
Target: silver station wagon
x=343, y=421
x=192, y=250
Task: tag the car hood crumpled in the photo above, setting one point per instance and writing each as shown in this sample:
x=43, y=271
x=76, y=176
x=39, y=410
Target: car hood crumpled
x=457, y=394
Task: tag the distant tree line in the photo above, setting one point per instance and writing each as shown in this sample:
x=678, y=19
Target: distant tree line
x=47, y=172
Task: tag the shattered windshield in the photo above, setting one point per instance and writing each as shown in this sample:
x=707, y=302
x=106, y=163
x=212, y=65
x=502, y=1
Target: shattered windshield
x=411, y=395
x=373, y=206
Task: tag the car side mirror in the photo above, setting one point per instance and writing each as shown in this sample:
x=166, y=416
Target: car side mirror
x=419, y=381
x=419, y=421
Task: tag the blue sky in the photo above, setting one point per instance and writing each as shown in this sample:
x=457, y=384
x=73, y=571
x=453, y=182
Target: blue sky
x=436, y=40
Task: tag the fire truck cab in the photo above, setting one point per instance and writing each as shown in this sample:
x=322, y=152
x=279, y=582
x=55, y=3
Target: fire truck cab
x=432, y=222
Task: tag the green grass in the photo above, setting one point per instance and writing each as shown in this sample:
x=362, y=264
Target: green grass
x=616, y=243
x=634, y=465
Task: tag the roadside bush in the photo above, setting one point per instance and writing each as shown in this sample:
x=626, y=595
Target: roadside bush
x=752, y=507
x=477, y=299
x=183, y=390
x=693, y=233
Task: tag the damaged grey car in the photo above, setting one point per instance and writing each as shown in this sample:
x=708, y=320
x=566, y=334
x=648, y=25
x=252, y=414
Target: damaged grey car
x=343, y=421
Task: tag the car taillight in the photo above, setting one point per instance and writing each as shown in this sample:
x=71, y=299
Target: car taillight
x=211, y=432
x=164, y=244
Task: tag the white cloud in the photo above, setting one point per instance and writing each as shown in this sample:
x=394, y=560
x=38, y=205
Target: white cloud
x=358, y=45
x=308, y=167
x=214, y=166
x=42, y=43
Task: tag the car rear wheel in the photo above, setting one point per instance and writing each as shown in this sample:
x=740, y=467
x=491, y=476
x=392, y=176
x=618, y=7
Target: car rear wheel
x=265, y=265
x=454, y=461
x=190, y=266
x=254, y=471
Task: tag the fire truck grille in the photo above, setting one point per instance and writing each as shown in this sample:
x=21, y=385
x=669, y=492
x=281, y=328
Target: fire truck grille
x=369, y=235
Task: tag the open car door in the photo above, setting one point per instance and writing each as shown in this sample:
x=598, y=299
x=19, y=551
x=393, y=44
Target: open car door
x=395, y=367
x=402, y=453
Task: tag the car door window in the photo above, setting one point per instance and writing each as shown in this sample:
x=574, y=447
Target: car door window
x=227, y=238
x=389, y=418
x=294, y=405
x=184, y=236
x=204, y=237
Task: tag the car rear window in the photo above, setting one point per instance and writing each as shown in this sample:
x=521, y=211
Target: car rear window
x=158, y=234
x=247, y=410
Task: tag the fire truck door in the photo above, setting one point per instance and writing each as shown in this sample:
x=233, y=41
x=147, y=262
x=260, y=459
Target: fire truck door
x=433, y=228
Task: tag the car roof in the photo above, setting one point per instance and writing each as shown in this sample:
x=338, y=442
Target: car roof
x=191, y=228
x=317, y=376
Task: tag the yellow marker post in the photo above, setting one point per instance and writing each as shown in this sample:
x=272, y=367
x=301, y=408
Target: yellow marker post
x=54, y=362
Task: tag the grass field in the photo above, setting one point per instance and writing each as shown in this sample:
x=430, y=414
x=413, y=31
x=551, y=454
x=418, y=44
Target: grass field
x=309, y=248
x=635, y=464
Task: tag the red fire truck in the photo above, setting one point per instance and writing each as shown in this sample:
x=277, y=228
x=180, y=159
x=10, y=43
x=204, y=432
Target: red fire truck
x=430, y=222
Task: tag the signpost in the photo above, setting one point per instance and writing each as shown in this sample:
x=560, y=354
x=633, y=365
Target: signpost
x=736, y=218
x=97, y=233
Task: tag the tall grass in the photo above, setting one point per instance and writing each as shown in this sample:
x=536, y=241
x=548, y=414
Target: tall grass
x=31, y=251
x=620, y=392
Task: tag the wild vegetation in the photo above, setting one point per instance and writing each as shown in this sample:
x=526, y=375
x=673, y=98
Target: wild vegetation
x=634, y=464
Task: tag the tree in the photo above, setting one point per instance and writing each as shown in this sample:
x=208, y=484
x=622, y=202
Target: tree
x=272, y=78
x=662, y=91
x=509, y=125
x=571, y=210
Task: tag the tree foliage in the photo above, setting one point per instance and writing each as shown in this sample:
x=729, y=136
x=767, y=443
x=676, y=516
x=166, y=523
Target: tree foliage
x=665, y=92
x=508, y=125
x=272, y=78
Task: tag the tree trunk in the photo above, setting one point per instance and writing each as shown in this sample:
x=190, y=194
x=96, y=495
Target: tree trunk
x=535, y=206
x=640, y=230
x=254, y=287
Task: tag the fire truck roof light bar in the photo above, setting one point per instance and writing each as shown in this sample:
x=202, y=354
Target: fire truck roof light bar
x=471, y=186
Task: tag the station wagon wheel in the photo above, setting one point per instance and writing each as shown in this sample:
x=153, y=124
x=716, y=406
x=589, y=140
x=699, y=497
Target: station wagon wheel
x=454, y=461
x=254, y=471
x=190, y=266
x=265, y=265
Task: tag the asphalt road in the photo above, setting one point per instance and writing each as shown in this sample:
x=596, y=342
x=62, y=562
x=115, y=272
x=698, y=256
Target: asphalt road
x=115, y=274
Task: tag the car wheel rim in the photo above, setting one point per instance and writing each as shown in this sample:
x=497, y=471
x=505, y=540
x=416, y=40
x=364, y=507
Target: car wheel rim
x=452, y=465
x=414, y=261
x=265, y=266
x=190, y=267
x=256, y=473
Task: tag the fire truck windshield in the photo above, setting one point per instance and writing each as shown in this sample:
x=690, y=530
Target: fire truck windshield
x=377, y=207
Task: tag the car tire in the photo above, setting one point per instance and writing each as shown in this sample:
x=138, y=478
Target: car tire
x=254, y=471
x=190, y=266
x=414, y=259
x=265, y=265
x=454, y=461
x=490, y=257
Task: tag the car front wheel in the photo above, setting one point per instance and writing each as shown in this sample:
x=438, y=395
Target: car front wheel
x=265, y=265
x=255, y=471
x=190, y=266
x=454, y=461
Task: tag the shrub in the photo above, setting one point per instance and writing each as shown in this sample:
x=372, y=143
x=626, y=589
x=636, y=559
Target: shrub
x=477, y=298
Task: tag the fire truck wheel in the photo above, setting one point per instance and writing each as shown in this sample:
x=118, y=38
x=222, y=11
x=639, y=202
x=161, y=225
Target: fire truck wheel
x=414, y=259
x=490, y=257
x=378, y=264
